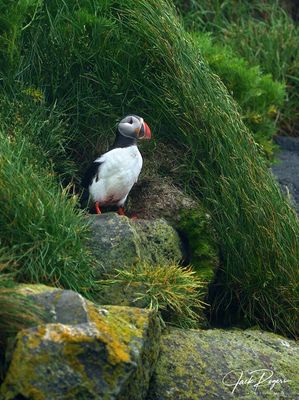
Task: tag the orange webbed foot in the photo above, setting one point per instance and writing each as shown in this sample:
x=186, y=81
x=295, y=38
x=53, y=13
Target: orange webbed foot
x=97, y=207
x=121, y=211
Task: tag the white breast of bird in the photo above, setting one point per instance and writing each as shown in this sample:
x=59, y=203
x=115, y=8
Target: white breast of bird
x=118, y=172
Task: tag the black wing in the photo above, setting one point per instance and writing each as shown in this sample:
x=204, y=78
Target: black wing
x=91, y=172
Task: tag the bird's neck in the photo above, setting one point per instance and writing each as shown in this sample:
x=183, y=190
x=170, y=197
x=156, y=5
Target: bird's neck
x=123, y=141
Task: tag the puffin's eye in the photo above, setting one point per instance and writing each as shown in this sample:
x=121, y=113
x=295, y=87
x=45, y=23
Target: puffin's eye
x=131, y=121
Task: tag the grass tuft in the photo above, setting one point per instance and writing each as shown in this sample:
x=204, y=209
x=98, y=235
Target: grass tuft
x=24, y=114
x=40, y=224
x=16, y=311
x=173, y=291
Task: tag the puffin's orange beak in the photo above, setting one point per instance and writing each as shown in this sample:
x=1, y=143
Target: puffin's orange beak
x=145, y=131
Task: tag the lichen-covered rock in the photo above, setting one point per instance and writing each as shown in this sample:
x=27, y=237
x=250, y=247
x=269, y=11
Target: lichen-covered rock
x=57, y=305
x=110, y=357
x=226, y=364
x=119, y=242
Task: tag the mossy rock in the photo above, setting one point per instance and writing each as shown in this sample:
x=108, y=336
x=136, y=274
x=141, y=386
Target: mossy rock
x=119, y=242
x=207, y=364
x=195, y=226
x=186, y=215
x=110, y=357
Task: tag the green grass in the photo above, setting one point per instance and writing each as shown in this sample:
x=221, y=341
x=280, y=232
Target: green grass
x=257, y=229
x=260, y=271
x=171, y=290
x=257, y=94
x=40, y=225
x=103, y=59
x=24, y=114
x=274, y=45
x=16, y=311
x=261, y=32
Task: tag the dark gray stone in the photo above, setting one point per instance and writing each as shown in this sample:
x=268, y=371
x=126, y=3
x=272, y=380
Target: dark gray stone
x=288, y=143
x=63, y=306
x=286, y=170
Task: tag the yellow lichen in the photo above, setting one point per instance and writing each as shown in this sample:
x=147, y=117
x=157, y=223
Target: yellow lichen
x=66, y=334
x=117, y=348
x=71, y=352
x=35, y=394
x=131, y=317
x=21, y=367
x=58, y=296
x=35, y=93
x=117, y=329
x=33, y=341
x=29, y=289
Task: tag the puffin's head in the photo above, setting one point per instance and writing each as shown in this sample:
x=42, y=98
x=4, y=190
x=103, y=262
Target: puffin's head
x=134, y=127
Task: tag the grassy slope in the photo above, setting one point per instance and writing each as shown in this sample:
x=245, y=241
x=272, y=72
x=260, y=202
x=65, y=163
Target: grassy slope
x=261, y=32
x=260, y=97
x=107, y=58
x=45, y=234
x=257, y=228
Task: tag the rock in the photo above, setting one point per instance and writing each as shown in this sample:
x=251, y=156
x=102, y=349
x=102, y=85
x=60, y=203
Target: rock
x=119, y=242
x=158, y=198
x=57, y=305
x=286, y=170
x=208, y=364
x=111, y=356
x=288, y=143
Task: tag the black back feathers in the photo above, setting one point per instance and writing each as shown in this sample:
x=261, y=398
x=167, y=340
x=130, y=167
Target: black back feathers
x=91, y=172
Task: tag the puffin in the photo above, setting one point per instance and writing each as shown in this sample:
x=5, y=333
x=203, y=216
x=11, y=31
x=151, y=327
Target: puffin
x=109, y=179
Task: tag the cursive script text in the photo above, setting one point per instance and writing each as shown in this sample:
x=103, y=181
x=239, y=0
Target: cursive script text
x=256, y=378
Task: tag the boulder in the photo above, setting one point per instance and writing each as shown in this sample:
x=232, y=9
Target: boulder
x=119, y=242
x=156, y=197
x=82, y=351
x=225, y=364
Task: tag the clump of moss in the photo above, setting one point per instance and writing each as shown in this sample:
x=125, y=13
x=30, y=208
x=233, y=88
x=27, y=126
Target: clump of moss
x=195, y=227
x=172, y=290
